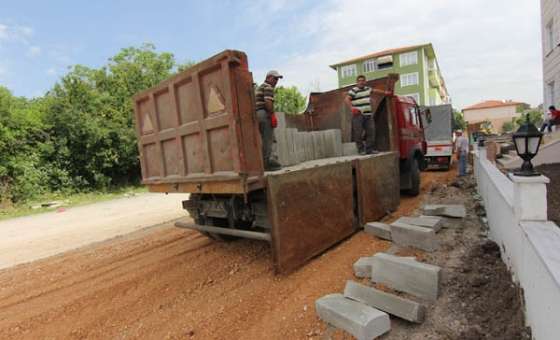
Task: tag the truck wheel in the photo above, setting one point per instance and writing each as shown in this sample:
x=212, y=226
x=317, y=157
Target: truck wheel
x=414, y=178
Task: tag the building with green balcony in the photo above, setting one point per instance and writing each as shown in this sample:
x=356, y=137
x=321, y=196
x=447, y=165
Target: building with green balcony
x=419, y=73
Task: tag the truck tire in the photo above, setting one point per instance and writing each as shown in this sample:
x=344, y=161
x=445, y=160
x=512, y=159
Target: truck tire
x=414, y=174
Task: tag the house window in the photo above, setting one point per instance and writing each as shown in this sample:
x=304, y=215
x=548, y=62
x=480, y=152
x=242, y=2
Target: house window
x=550, y=93
x=349, y=71
x=410, y=58
x=415, y=96
x=409, y=79
x=369, y=65
x=549, y=36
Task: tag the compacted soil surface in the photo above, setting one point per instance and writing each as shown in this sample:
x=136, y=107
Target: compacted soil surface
x=552, y=171
x=167, y=283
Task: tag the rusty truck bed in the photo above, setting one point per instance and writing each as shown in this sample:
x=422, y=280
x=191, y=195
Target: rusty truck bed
x=197, y=133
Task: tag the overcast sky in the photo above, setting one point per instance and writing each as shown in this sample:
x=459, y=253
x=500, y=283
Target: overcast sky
x=485, y=49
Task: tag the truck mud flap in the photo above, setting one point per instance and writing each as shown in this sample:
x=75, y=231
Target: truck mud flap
x=310, y=210
x=378, y=187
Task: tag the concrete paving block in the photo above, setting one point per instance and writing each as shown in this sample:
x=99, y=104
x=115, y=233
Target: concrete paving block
x=392, y=304
x=318, y=147
x=281, y=117
x=282, y=151
x=349, y=149
x=362, y=321
x=338, y=143
x=410, y=235
x=378, y=229
x=449, y=210
x=308, y=146
x=290, y=136
x=362, y=267
x=427, y=222
x=406, y=275
x=300, y=146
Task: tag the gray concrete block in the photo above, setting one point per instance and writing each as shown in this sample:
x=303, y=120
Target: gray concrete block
x=410, y=235
x=392, y=304
x=378, y=229
x=449, y=210
x=300, y=146
x=338, y=143
x=281, y=117
x=349, y=149
x=317, y=144
x=362, y=267
x=363, y=322
x=427, y=222
x=282, y=150
x=406, y=275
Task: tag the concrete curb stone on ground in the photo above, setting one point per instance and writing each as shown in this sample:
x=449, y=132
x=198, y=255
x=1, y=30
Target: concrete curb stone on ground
x=406, y=275
x=410, y=235
x=426, y=222
x=392, y=304
x=449, y=210
x=362, y=267
x=378, y=229
x=362, y=321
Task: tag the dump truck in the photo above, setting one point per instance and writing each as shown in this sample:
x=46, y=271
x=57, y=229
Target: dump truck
x=439, y=136
x=198, y=133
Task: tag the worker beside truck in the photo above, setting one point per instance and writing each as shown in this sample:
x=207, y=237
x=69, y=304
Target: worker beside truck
x=363, y=122
x=264, y=104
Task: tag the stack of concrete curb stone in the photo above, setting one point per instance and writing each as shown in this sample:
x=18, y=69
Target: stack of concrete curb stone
x=363, y=310
x=294, y=147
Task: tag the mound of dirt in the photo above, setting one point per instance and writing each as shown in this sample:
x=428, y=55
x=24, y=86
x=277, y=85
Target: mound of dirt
x=487, y=297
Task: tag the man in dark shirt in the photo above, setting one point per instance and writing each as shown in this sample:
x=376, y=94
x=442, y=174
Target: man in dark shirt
x=264, y=103
x=363, y=121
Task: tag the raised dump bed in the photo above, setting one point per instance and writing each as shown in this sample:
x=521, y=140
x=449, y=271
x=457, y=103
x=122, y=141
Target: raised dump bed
x=197, y=133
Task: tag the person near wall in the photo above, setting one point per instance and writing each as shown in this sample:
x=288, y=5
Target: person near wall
x=552, y=119
x=462, y=151
x=264, y=104
x=363, y=121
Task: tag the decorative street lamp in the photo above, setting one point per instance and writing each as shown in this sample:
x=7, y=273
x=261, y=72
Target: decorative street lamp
x=527, y=141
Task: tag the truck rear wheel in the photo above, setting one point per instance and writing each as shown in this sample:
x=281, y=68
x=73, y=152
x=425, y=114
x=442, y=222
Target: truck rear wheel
x=414, y=174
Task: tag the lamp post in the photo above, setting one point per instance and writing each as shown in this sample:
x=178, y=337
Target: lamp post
x=527, y=140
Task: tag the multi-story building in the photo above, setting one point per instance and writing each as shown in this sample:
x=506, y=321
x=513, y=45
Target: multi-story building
x=497, y=112
x=550, y=23
x=420, y=76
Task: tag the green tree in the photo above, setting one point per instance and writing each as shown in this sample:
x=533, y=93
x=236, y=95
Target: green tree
x=288, y=100
x=535, y=117
x=21, y=132
x=459, y=122
x=508, y=126
x=91, y=118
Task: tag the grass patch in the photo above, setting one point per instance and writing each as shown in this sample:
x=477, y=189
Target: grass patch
x=68, y=200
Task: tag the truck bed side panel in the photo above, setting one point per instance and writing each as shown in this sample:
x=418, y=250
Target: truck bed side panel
x=310, y=210
x=377, y=180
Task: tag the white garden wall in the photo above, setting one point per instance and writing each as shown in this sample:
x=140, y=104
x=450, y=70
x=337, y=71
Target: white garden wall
x=530, y=245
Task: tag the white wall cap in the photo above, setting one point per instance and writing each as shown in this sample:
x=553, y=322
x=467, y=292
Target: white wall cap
x=529, y=179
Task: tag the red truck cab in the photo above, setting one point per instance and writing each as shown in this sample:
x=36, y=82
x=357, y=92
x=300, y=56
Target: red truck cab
x=411, y=143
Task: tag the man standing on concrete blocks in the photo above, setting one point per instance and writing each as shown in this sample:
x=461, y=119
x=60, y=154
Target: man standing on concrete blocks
x=462, y=150
x=363, y=120
x=264, y=102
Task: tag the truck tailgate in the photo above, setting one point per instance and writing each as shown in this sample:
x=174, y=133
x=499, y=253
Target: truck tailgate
x=197, y=131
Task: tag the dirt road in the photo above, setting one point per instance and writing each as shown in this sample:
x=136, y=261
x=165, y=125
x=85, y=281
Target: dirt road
x=34, y=237
x=167, y=283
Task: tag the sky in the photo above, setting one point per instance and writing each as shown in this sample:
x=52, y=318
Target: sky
x=485, y=49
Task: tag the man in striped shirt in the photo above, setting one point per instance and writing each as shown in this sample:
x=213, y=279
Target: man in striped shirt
x=264, y=103
x=363, y=121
